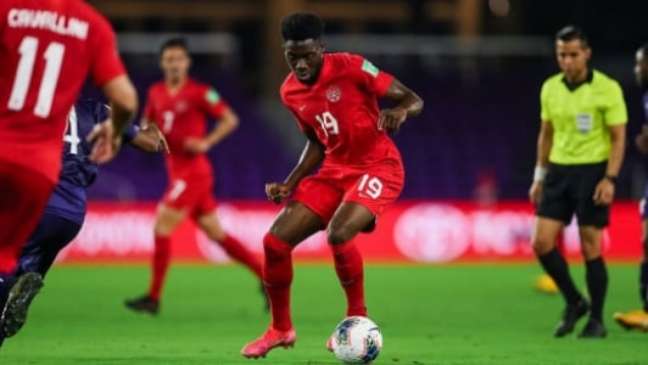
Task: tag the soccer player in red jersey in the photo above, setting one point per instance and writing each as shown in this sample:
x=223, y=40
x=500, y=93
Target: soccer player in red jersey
x=47, y=49
x=334, y=97
x=179, y=106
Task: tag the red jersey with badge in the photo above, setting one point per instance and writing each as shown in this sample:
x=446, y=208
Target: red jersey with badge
x=341, y=108
x=47, y=49
x=180, y=116
x=362, y=163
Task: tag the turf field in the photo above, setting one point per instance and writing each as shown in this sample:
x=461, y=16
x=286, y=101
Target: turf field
x=461, y=314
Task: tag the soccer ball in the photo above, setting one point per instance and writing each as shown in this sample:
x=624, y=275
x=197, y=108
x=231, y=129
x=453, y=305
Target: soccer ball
x=357, y=340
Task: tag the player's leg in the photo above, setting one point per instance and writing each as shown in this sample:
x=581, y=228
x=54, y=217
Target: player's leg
x=22, y=201
x=560, y=200
x=544, y=283
x=638, y=319
x=166, y=221
x=210, y=225
x=643, y=271
x=592, y=219
x=544, y=238
x=294, y=224
x=350, y=219
x=52, y=234
x=597, y=279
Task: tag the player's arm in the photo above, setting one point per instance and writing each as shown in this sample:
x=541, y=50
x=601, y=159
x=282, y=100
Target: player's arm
x=311, y=157
x=148, y=138
x=604, y=193
x=408, y=104
x=641, y=141
x=107, y=136
x=545, y=141
x=616, y=118
x=122, y=96
x=109, y=74
x=227, y=124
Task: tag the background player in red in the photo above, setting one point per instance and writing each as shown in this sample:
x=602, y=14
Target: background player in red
x=334, y=97
x=47, y=49
x=179, y=106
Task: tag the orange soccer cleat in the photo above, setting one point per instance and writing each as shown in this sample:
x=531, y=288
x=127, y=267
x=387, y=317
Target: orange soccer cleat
x=271, y=339
x=637, y=319
x=329, y=344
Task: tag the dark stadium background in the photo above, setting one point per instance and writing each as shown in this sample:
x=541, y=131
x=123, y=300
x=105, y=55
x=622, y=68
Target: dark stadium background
x=450, y=271
x=478, y=64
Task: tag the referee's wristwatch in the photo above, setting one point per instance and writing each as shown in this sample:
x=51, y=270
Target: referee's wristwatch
x=611, y=178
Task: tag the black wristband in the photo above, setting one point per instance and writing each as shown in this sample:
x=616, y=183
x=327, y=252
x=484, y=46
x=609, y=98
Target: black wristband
x=611, y=178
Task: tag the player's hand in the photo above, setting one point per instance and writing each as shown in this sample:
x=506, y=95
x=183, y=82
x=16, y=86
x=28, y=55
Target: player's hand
x=604, y=192
x=156, y=133
x=277, y=192
x=641, y=141
x=196, y=145
x=391, y=119
x=105, y=144
x=535, y=193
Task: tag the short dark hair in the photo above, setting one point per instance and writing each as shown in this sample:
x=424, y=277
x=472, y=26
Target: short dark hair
x=177, y=42
x=570, y=33
x=301, y=26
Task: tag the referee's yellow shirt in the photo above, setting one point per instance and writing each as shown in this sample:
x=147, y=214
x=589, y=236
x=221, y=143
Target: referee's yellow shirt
x=581, y=116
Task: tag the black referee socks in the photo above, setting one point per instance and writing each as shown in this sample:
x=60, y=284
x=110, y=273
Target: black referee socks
x=597, y=282
x=556, y=267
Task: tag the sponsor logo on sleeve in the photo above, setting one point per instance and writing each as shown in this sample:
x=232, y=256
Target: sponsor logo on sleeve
x=212, y=96
x=369, y=68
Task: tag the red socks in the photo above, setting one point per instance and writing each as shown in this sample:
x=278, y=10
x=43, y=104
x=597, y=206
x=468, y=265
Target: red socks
x=277, y=277
x=161, y=259
x=349, y=268
x=237, y=251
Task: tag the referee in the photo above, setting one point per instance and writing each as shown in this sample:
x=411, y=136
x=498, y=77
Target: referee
x=580, y=152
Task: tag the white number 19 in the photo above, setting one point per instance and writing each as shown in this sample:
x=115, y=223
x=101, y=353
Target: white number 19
x=371, y=186
x=328, y=123
x=53, y=61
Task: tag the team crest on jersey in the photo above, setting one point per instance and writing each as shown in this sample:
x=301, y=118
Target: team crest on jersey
x=333, y=94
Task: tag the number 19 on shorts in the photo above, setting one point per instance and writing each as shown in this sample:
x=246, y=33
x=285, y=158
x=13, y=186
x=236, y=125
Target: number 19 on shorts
x=371, y=186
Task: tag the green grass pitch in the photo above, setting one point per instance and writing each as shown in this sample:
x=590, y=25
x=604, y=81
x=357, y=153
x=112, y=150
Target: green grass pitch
x=458, y=314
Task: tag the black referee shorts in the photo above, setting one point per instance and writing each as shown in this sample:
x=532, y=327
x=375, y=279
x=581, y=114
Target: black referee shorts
x=569, y=190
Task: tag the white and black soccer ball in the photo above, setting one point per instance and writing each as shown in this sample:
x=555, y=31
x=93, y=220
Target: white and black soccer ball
x=357, y=340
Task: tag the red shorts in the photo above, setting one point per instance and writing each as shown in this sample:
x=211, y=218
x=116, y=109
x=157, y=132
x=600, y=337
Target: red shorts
x=23, y=196
x=374, y=187
x=192, y=194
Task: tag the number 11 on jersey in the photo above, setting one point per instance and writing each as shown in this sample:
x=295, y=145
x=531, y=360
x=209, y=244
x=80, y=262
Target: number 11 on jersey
x=53, y=62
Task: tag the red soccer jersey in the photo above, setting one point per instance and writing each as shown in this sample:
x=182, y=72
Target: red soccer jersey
x=341, y=109
x=47, y=50
x=180, y=116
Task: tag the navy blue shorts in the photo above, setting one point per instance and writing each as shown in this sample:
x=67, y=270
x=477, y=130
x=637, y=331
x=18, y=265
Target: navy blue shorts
x=52, y=234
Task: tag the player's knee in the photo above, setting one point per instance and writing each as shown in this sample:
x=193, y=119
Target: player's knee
x=542, y=246
x=215, y=234
x=162, y=230
x=338, y=235
x=275, y=249
x=590, y=250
